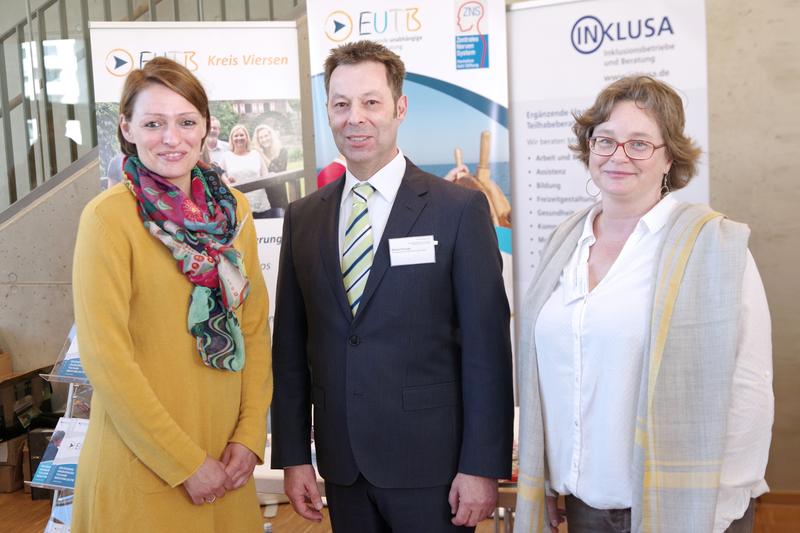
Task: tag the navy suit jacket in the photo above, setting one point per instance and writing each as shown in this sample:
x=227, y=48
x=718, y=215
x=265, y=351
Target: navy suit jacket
x=418, y=385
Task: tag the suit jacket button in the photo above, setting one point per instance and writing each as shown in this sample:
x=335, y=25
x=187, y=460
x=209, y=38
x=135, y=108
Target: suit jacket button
x=354, y=340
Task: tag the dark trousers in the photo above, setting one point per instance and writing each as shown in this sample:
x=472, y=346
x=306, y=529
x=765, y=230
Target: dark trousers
x=583, y=518
x=365, y=508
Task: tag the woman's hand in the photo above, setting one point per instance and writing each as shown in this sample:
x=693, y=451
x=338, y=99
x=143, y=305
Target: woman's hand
x=207, y=483
x=554, y=514
x=239, y=464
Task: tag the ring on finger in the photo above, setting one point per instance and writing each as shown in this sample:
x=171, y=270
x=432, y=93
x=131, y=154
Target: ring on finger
x=211, y=499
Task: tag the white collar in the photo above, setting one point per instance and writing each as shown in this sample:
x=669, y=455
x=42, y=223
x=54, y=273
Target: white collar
x=657, y=217
x=577, y=280
x=651, y=222
x=386, y=181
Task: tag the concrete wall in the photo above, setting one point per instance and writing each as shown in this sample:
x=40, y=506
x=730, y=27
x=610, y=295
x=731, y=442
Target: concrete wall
x=754, y=102
x=36, y=268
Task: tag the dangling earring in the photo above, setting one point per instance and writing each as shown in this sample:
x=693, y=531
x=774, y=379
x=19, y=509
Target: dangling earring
x=595, y=195
x=665, y=185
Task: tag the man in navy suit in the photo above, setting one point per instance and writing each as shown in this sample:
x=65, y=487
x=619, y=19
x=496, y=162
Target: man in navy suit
x=392, y=321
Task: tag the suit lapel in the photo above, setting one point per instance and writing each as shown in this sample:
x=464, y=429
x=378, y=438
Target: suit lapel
x=329, y=243
x=409, y=203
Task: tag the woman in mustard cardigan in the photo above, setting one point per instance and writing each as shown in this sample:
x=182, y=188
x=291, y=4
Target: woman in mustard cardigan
x=171, y=310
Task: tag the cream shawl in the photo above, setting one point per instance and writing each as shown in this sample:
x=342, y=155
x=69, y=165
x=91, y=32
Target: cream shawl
x=686, y=380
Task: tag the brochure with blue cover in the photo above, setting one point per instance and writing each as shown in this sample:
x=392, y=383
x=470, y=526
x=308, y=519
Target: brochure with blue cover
x=60, y=460
x=68, y=367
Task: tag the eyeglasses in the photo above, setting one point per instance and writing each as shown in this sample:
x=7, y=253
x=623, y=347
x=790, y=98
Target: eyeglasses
x=634, y=149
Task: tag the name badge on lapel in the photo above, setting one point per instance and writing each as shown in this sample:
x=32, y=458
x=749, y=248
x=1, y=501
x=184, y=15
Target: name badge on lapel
x=412, y=250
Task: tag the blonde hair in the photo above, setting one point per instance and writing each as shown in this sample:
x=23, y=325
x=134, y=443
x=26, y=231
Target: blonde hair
x=246, y=134
x=274, y=149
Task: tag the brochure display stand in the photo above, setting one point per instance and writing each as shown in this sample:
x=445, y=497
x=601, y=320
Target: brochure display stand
x=67, y=368
x=59, y=463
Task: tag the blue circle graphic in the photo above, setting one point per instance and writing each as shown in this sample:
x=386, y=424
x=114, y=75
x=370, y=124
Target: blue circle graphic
x=576, y=28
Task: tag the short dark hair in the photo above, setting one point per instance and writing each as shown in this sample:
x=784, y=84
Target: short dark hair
x=662, y=103
x=361, y=51
x=170, y=74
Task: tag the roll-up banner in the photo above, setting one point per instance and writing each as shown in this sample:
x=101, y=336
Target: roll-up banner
x=250, y=72
x=456, y=83
x=562, y=53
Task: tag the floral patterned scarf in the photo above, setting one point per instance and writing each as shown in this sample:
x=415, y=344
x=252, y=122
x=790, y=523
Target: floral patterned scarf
x=199, y=232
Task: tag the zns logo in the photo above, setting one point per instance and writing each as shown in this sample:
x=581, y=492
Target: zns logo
x=470, y=16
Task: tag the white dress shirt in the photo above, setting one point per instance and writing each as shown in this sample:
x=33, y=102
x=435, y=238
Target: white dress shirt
x=386, y=182
x=590, y=347
x=244, y=169
x=216, y=153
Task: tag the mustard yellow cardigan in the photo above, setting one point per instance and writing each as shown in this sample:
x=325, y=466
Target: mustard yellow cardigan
x=157, y=410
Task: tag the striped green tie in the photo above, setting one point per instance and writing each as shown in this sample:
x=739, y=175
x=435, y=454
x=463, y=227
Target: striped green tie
x=357, y=255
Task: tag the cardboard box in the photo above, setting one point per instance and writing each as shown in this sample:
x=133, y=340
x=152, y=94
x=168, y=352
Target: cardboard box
x=15, y=387
x=5, y=365
x=11, y=451
x=11, y=463
x=10, y=478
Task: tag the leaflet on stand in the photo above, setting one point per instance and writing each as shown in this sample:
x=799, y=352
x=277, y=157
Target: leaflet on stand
x=68, y=368
x=60, y=460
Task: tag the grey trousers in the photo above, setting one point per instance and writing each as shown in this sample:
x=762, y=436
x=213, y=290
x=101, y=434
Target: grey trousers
x=583, y=518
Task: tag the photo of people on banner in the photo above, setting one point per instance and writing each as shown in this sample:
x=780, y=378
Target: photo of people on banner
x=255, y=145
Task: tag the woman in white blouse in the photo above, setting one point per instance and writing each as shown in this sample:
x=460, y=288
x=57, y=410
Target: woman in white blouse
x=243, y=164
x=645, y=367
